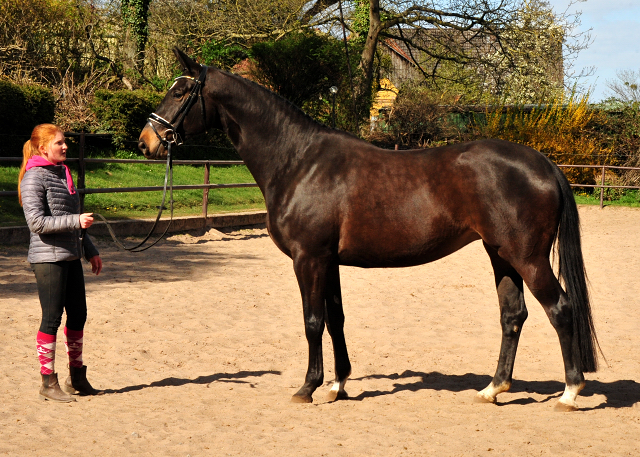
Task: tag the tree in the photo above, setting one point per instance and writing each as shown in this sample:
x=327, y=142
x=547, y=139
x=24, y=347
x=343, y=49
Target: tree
x=190, y=23
x=529, y=67
x=40, y=40
x=626, y=87
x=302, y=67
x=624, y=125
x=135, y=15
x=495, y=47
x=223, y=55
x=484, y=34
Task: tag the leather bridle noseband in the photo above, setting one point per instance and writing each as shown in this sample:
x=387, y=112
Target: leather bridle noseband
x=171, y=136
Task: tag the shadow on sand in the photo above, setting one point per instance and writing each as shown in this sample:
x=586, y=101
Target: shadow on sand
x=239, y=378
x=618, y=394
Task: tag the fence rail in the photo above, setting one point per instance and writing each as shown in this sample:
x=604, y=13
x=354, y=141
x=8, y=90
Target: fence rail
x=206, y=185
x=602, y=184
x=82, y=161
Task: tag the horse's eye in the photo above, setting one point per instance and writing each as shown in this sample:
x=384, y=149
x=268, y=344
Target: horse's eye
x=177, y=94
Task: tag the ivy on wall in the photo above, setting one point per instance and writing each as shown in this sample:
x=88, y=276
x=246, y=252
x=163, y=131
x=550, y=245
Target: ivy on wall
x=135, y=16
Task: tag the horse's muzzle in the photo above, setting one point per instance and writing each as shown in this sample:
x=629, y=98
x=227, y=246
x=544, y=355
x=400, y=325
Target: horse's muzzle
x=150, y=146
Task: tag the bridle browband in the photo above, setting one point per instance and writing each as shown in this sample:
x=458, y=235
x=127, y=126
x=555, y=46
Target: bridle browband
x=170, y=137
x=171, y=132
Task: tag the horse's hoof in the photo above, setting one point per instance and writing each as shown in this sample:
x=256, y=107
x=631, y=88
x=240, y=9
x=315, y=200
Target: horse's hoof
x=301, y=399
x=564, y=408
x=482, y=398
x=337, y=395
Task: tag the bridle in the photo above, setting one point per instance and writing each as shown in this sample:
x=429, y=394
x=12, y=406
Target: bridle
x=171, y=137
x=171, y=127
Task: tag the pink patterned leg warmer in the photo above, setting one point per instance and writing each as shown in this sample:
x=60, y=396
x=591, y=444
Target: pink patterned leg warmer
x=46, y=345
x=73, y=342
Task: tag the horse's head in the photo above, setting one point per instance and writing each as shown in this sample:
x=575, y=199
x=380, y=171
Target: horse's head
x=183, y=110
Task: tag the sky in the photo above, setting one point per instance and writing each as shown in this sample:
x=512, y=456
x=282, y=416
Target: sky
x=615, y=33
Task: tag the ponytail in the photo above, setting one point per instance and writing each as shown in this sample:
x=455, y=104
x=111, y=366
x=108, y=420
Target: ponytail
x=41, y=135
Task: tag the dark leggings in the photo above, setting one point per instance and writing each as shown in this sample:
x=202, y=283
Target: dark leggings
x=61, y=288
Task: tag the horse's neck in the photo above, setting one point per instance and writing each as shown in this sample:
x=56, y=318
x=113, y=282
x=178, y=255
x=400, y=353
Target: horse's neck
x=270, y=135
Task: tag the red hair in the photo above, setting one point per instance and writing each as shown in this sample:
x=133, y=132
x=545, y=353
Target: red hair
x=42, y=135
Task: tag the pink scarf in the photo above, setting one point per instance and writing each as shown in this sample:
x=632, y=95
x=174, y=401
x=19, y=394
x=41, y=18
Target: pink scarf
x=39, y=161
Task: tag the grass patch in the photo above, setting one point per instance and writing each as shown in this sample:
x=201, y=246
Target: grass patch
x=10, y=210
x=134, y=205
x=612, y=197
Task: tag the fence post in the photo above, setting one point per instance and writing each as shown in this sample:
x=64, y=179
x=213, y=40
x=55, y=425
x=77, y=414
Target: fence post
x=602, y=189
x=205, y=191
x=81, y=171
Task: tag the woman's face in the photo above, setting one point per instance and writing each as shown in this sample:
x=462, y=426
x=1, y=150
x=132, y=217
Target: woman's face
x=56, y=151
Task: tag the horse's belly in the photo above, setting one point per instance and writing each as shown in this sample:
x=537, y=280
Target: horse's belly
x=398, y=250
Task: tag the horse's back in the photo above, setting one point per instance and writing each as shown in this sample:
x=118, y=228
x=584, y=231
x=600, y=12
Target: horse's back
x=411, y=207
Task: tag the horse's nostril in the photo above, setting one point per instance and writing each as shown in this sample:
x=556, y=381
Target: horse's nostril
x=143, y=147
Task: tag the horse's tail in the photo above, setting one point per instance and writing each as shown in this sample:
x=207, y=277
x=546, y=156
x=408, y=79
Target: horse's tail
x=572, y=274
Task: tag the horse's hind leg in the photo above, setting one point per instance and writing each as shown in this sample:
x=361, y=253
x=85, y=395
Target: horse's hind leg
x=543, y=284
x=335, y=326
x=513, y=313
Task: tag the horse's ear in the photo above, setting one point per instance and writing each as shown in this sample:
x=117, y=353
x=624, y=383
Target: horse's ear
x=188, y=64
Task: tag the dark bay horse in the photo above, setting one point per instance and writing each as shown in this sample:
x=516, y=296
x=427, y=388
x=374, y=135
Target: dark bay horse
x=333, y=199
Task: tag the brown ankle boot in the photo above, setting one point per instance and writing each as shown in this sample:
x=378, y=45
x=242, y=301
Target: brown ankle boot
x=77, y=382
x=50, y=389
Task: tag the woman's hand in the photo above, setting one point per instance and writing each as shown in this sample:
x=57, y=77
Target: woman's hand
x=96, y=264
x=86, y=219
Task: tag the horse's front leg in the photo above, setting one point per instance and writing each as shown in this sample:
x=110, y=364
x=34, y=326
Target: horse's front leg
x=335, y=326
x=311, y=273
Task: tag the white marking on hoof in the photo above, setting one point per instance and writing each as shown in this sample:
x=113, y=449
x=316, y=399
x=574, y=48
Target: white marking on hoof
x=489, y=393
x=337, y=390
x=568, y=400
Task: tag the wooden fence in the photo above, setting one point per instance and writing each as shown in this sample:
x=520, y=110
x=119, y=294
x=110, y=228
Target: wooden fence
x=206, y=185
x=602, y=185
x=82, y=161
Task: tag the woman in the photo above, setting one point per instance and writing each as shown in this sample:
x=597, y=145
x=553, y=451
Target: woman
x=51, y=207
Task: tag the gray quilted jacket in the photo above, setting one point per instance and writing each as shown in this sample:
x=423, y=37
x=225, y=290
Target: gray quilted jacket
x=52, y=215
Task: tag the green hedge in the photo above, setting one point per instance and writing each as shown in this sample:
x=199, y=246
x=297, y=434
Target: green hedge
x=21, y=109
x=124, y=113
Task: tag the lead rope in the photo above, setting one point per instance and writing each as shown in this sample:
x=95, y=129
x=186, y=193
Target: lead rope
x=171, y=136
x=168, y=176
